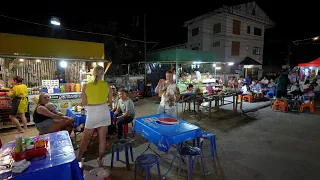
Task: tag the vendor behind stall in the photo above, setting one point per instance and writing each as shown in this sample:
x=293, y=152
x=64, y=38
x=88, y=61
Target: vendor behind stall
x=19, y=103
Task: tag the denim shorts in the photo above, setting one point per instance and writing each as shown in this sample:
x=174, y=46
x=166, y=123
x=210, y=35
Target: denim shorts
x=44, y=126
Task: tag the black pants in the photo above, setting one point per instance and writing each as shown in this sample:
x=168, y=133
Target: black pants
x=15, y=105
x=280, y=94
x=121, y=122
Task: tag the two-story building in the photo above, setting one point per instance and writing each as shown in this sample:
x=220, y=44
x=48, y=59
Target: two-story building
x=235, y=34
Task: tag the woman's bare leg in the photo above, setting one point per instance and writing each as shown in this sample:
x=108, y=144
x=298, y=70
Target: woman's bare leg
x=24, y=121
x=16, y=122
x=62, y=125
x=84, y=142
x=69, y=126
x=102, y=143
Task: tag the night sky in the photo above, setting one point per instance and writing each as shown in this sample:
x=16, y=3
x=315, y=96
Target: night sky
x=293, y=21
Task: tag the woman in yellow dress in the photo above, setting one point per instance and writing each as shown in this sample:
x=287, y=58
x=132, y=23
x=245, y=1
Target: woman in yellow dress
x=19, y=103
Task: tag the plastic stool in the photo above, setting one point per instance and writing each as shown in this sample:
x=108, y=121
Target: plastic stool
x=212, y=138
x=191, y=153
x=146, y=161
x=119, y=145
x=126, y=129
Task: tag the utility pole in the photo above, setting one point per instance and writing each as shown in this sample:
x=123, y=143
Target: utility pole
x=289, y=54
x=145, y=49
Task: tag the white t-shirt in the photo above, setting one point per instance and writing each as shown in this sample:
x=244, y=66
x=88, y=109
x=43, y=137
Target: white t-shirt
x=198, y=75
x=265, y=81
x=169, y=94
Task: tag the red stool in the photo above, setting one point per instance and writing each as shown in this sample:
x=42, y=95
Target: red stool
x=126, y=129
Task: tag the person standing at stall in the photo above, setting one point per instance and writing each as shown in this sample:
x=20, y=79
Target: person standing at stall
x=19, y=103
x=96, y=96
x=282, y=83
x=170, y=94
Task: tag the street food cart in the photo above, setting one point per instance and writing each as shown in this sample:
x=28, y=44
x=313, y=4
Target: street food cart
x=54, y=66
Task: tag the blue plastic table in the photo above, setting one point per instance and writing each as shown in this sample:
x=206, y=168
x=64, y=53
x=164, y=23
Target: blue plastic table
x=163, y=135
x=79, y=119
x=60, y=161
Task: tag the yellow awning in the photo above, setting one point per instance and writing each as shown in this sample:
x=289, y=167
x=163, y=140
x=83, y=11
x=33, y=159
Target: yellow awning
x=21, y=45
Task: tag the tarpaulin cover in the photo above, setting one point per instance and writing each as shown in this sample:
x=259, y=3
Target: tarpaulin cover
x=181, y=55
x=164, y=135
x=60, y=161
x=312, y=63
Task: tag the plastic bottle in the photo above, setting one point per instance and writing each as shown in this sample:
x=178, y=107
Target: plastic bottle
x=18, y=147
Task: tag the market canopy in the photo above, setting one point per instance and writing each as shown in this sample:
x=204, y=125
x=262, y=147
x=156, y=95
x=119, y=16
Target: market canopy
x=312, y=63
x=181, y=56
x=12, y=45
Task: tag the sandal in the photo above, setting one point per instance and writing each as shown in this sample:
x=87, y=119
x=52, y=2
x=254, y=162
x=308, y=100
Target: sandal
x=100, y=162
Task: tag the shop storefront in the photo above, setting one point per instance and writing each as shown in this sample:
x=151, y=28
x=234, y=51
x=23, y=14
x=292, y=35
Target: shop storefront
x=251, y=68
x=54, y=66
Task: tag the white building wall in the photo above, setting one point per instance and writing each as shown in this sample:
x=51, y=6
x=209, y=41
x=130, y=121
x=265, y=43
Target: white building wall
x=247, y=40
x=210, y=38
x=196, y=40
x=249, y=14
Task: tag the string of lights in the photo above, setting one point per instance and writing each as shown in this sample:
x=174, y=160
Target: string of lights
x=307, y=41
x=78, y=31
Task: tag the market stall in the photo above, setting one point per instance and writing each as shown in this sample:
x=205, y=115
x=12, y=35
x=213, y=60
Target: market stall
x=197, y=67
x=310, y=69
x=54, y=66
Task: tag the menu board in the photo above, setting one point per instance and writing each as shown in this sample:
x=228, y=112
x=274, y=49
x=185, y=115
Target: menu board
x=62, y=101
x=50, y=83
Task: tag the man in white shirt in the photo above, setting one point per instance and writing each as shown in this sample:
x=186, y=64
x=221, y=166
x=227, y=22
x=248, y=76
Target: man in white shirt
x=265, y=81
x=292, y=77
x=170, y=95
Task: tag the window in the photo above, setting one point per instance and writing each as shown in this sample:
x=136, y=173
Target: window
x=216, y=28
x=257, y=31
x=248, y=29
x=216, y=44
x=195, y=31
x=236, y=27
x=253, y=12
x=256, y=50
x=235, y=49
